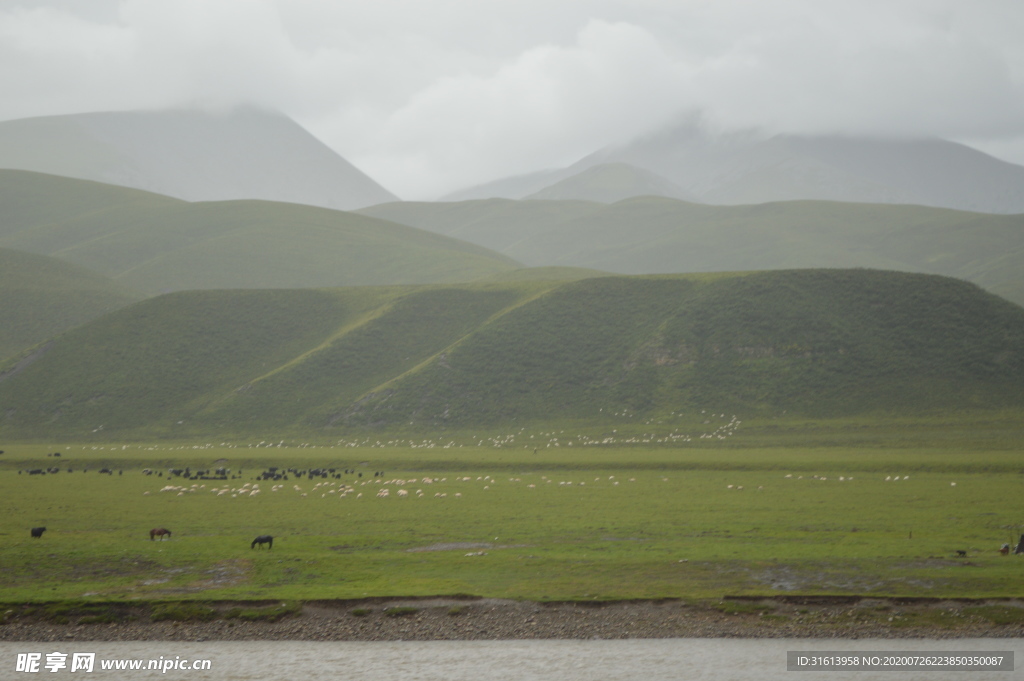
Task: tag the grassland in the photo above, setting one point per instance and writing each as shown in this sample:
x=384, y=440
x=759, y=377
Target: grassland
x=531, y=514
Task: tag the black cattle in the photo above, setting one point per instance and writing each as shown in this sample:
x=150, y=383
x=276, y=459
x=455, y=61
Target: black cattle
x=37, y=532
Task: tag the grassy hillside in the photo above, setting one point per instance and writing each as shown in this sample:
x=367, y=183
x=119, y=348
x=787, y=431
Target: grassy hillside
x=821, y=343
x=253, y=363
x=651, y=235
x=504, y=225
x=43, y=297
x=154, y=244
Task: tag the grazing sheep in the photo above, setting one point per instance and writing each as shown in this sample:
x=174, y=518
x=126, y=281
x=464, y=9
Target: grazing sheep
x=37, y=532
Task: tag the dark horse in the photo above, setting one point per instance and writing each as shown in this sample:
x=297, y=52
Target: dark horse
x=261, y=540
x=159, y=532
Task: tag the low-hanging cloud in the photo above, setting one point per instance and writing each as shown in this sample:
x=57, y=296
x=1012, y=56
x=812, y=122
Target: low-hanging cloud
x=432, y=95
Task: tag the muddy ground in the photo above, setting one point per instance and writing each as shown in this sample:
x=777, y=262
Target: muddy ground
x=489, y=619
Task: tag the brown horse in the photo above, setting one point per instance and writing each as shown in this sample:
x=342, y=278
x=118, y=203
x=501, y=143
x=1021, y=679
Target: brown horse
x=159, y=532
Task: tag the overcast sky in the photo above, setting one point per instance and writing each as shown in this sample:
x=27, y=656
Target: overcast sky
x=428, y=96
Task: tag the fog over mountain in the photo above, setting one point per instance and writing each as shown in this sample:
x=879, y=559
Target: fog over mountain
x=245, y=153
x=432, y=96
x=747, y=168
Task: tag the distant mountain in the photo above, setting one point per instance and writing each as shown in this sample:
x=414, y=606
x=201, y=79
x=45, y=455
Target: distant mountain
x=191, y=155
x=748, y=168
x=153, y=243
x=515, y=187
x=819, y=343
x=611, y=182
x=41, y=297
x=601, y=182
x=651, y=235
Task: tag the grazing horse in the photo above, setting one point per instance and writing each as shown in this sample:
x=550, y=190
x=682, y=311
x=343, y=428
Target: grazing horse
x=159, y=532
x=261, y=540
x=37, y=532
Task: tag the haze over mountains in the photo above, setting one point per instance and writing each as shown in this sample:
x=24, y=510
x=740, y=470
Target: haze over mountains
x=746, y=168
x=246, y=153
x=124, y=308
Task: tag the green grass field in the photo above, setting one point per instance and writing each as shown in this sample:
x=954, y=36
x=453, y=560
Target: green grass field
x=530, y=514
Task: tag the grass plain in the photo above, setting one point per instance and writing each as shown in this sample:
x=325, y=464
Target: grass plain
x=767, y=508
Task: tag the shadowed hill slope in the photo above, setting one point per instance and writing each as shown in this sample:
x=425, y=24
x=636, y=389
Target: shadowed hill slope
x=259, y=363
x=43, y=297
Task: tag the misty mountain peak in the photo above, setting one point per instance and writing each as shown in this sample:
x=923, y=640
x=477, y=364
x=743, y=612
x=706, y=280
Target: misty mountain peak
x=242, y=153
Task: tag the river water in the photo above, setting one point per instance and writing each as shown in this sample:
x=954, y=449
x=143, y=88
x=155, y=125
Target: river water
x=529, y=660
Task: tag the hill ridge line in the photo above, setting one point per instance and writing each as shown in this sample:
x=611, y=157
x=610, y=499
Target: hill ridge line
x=343, y=330
x=25, y=362
x=421, y=365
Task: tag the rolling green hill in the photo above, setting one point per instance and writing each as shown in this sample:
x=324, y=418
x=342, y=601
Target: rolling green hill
x=422, y=358
x=650, y=235
x=43, y=297
x=154, y=244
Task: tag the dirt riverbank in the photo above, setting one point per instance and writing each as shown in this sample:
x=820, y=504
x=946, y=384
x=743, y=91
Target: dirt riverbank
x=490, y=619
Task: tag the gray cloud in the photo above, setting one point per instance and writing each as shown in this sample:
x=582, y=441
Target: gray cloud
x=430, y=95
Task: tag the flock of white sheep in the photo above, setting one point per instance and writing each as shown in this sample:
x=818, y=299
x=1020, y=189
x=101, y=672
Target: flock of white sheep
x=414, y=487
x=378, y=488
x=719, y=427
